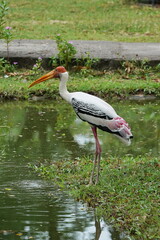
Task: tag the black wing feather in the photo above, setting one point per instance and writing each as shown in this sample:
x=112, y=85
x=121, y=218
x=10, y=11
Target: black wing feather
x=89, y=109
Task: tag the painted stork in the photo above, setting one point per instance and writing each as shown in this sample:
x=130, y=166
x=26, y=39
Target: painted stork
x=93, y=110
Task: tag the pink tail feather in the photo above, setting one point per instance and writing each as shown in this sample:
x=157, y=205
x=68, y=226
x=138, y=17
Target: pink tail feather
x=118, y=124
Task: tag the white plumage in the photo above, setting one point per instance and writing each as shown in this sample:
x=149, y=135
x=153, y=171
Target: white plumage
x=93, y=110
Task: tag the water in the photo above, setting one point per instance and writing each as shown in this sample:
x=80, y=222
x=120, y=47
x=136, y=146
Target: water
x=32, y=208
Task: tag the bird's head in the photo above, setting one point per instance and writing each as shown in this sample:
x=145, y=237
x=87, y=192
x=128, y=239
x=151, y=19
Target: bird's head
x=56, y=73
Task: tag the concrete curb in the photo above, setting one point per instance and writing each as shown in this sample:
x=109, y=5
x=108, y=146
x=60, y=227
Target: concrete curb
x=25, y=52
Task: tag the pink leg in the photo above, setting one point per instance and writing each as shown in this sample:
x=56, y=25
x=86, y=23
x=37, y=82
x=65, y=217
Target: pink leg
x=97, y=157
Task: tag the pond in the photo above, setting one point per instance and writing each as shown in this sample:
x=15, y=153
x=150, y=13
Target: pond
x=48, y=131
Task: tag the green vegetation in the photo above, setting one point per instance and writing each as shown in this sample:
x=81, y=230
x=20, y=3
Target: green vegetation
x=3, y=12
x=127, y=194
x=66, y=53
x=113, y=20
x=5, y=32
x=133, y=77
x=129, y=175
x=6, y=67
x=128, y=191
x=106, y=85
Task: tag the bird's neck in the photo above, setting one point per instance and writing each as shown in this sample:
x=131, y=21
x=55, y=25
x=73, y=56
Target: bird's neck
x=63, y=87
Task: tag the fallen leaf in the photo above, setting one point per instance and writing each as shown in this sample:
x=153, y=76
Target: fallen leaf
x=157, y=80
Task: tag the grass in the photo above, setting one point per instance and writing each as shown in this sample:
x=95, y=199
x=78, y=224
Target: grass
x=127, y=195
x=84, y=20
x=107, y=85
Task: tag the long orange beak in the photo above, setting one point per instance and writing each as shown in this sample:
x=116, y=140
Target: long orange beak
x=47, y=76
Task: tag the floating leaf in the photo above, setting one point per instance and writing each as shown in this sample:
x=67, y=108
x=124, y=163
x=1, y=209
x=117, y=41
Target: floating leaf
x=8, y=189
x=19, y=234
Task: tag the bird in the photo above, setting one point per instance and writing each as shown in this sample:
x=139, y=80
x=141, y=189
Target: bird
x=92, y=109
